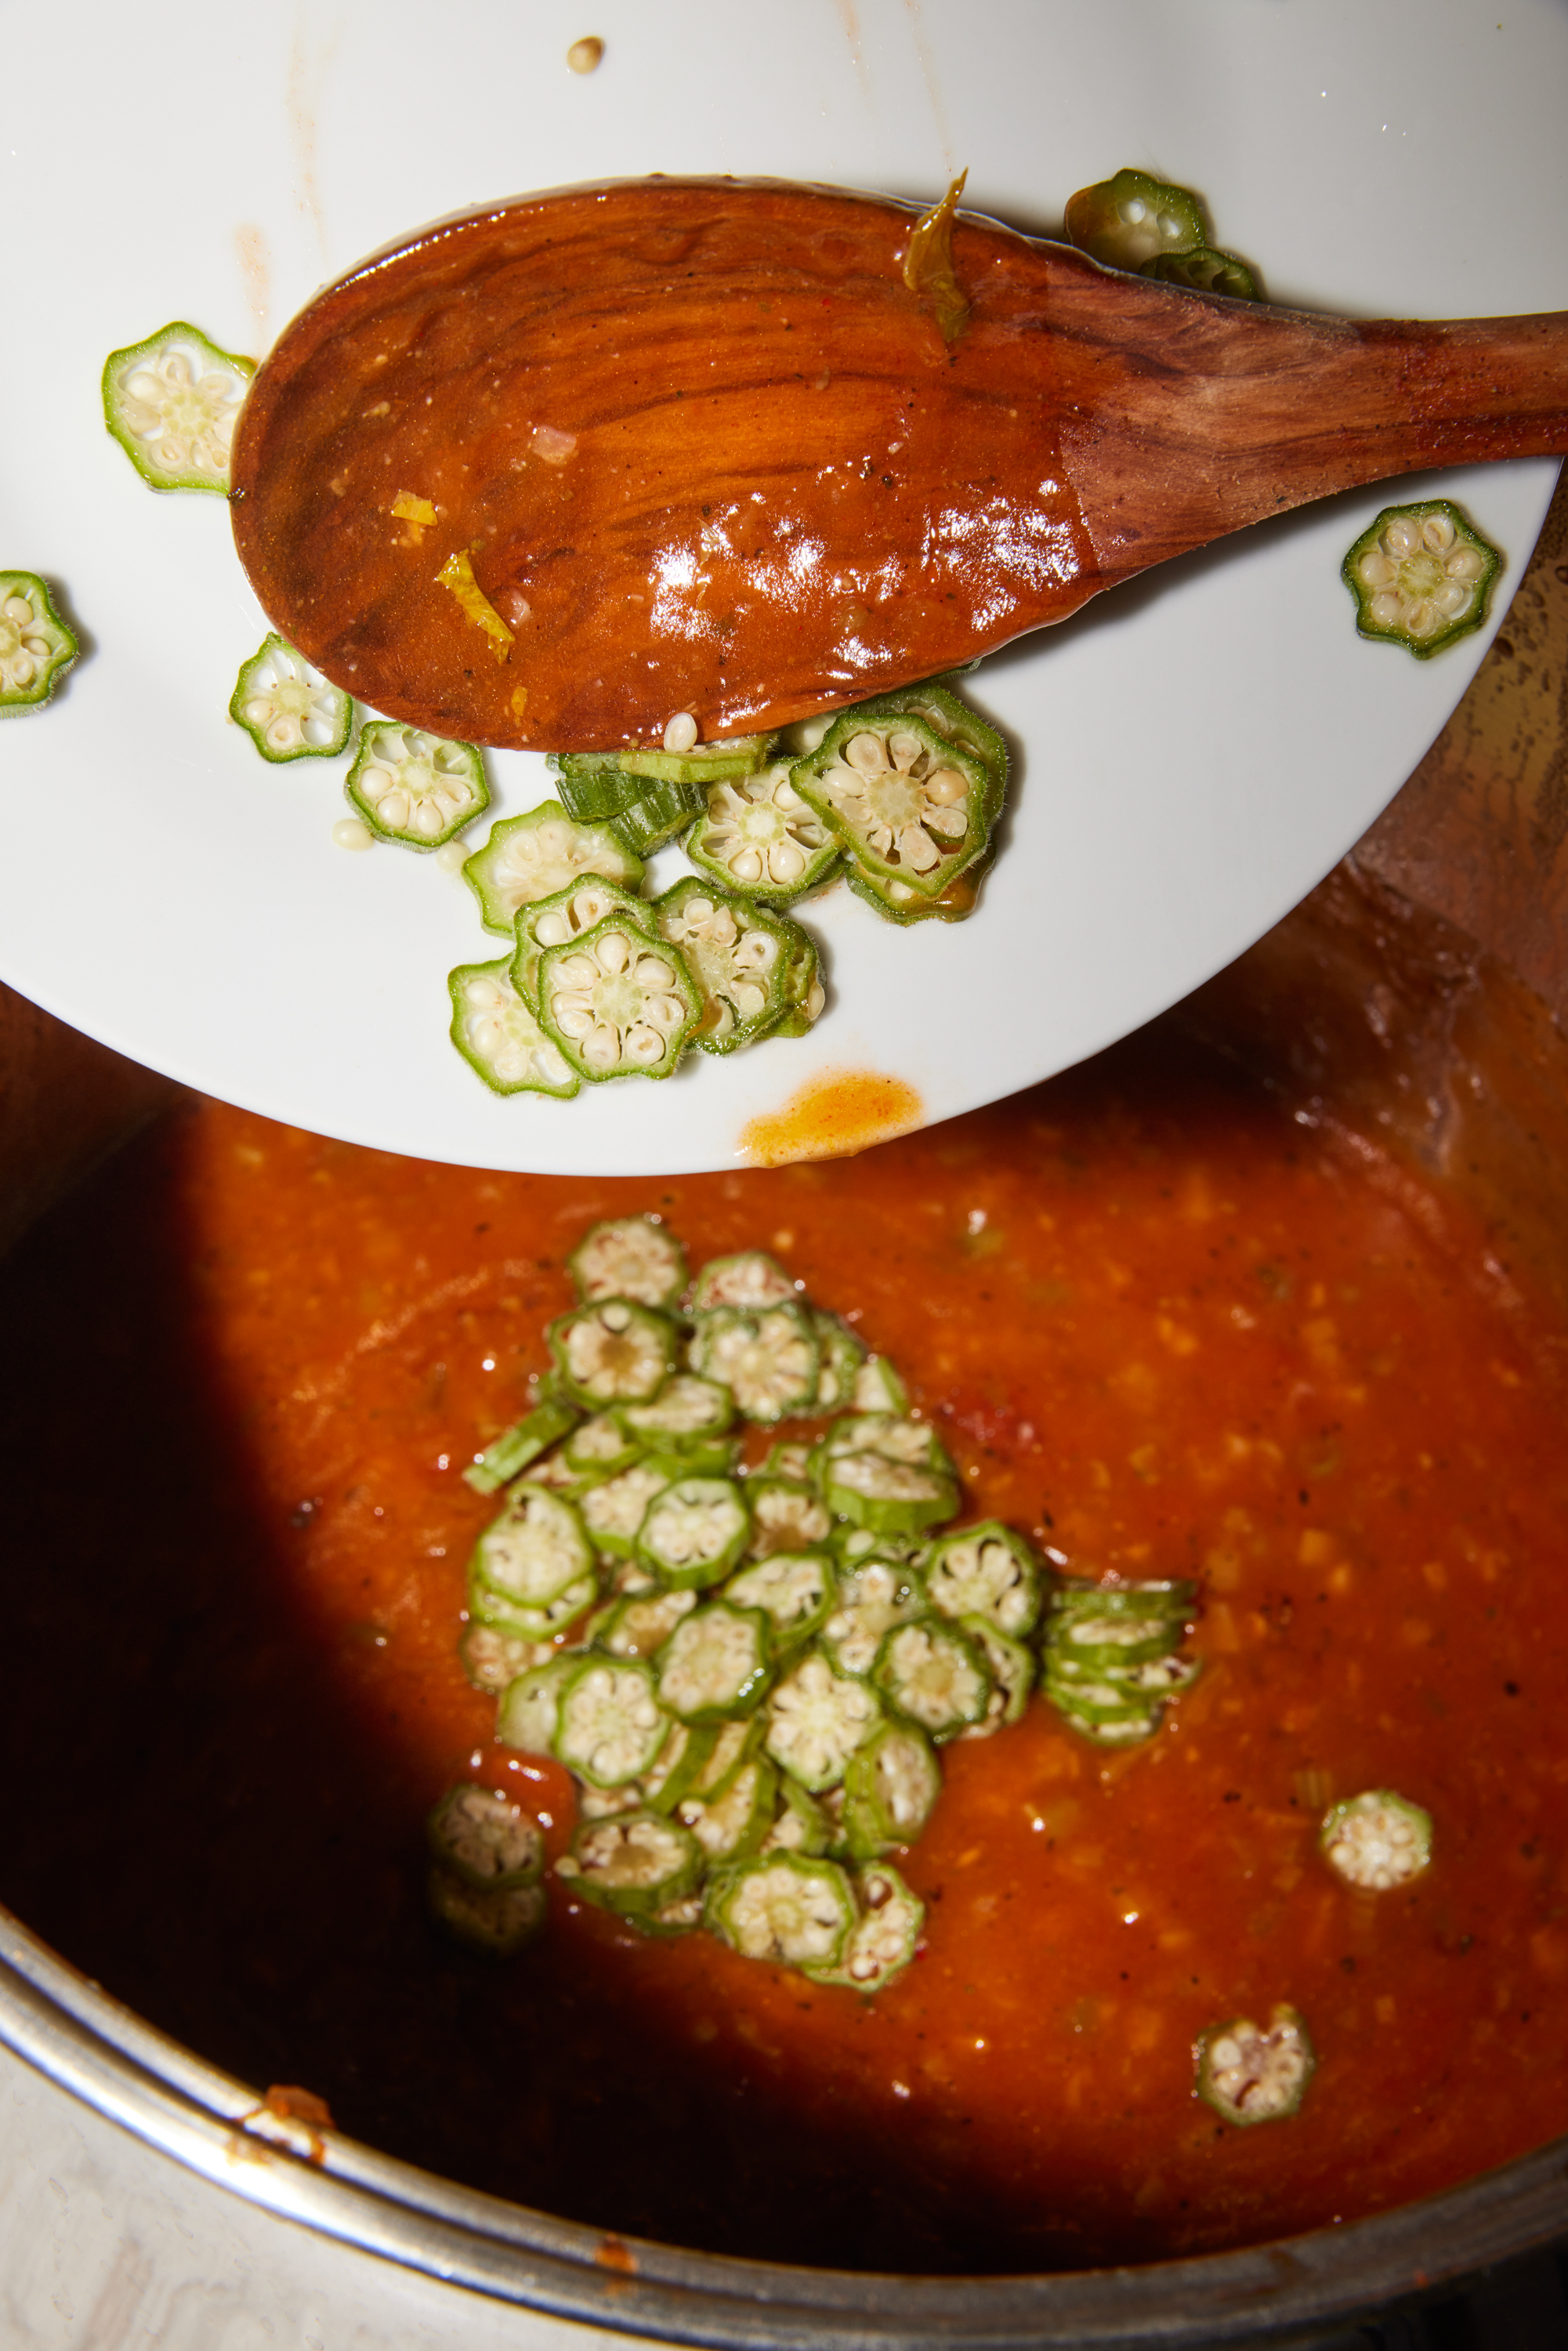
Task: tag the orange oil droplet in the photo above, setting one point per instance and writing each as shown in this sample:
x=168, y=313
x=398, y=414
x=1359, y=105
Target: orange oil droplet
x=831, y=1117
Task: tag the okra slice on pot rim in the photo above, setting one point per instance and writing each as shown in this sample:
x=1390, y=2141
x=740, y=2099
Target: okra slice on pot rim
x=1377, y=1840
x=613, y=1510
x=610, y=1725
x=1131, y=219
x=795, y=1590
x=907, y=804
x=619, y=1002
x=564, y=916
x=732, y=1827
x=695, y=1532
x=784, y=1907
x=737, y=955
x=534, y=1551
x=1012, y=1670
x=932, y=1673
x=767, y=1358
x=1422, y=576
x=415, y=789
x=36, y=646
x=615, y=1350
x=640, y=1622
x=527, y=1714
x=786, y=1514
x=498, y=1034
x=172, y=403
x=1250, y=2076
x=628, y=1256
x=687, y=1411
x=486, y=1839
x=891, y=1787
x=818, y=1719
x=287, y=708
x=491, y=1658
x=985, y=1570
x=637, y=1863
x=750, y=1279
x=497, y=1923
x=535, y=855
x=759, y=835
x=523, y=1443
x=874, y=1594
x=717, y=1665
x=885, y=1934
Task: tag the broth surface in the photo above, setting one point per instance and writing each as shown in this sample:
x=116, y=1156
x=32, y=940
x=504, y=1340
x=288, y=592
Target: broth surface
x=1164, y=1328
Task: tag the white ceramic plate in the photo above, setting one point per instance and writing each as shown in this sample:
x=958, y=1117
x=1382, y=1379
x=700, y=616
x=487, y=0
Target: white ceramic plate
x=1194, y=753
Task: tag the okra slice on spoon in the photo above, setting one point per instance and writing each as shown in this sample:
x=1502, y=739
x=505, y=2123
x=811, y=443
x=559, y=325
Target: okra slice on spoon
x=497, y=1033
x=36, y=646
x=287, y=708
x=618, y=1002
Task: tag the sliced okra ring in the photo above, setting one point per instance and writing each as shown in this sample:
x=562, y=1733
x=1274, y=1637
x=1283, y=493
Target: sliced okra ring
x=526, y=1717
x=497, y=1923
x=909, y=805
x=1012, y=1670
x=488, y=1605
x=890, y=1498
x=759, y=835
x=818, y=1719
x=839, y=1366
x=751, y=1279
x=488, y=1841
x=885, y=1935
x=768, y=1359
x=686, y=1411
x=875, y=1594
x=645, y=811
x=739, y=755
x=737, y=954
x=534, y=855
x=1132, y=219
x=1205, y=271
x=732, y=1827
x=415, y=789
x=892, y=1435
x=36, y=646
x=1094, y=1642
x=552, y=923
x=895, y=902
x=891, y=1788
x=1377, y=1840
x=789, y=1458
x=717, y=1666
x=795, y=1590
x=730, y=1746
x=600, y=1447
x=1249, y=2076
x=172, y=403
x=614, y=1510
x=856, y=1547
x=786, y=1514
x=287, y=708
x=695, y=1532
x=799, y=1823
x=672, y=1918
x=654, y=813
x=1422, y=576
x=609, y=1726
x=536, y=1549
x=932, y=1673
x=552, y=1469
x=804, y=994
x=1095, y=1711
x=878, y=1388
x=637, y=1863
x=498, y=1034
x=986, y=1571
x=608, y=1803
x=786, y=1908
x=640, y=1622
x=957, y=723
x=1170, y=1598
x=687, y=1748
x=629, y=1257
x=615, y=1350
x=619, y=1002
x=491, y=1658
x=1165, y=1677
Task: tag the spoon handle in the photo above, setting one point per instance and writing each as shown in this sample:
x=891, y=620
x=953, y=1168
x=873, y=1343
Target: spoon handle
x=1229, y=420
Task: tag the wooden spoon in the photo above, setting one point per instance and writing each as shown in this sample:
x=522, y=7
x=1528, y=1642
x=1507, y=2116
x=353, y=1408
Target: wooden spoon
x=549, y=474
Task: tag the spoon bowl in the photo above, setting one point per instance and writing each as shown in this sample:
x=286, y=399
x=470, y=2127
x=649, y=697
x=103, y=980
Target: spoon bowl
x=702, y=450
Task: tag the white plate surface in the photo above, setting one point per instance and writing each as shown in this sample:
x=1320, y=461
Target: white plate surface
x=1194, y=753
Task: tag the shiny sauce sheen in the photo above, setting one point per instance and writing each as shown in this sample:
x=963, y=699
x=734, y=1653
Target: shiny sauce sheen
x=1161, y=1327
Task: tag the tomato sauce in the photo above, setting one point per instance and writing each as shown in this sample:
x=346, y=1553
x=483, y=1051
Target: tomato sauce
x=1164, y=1328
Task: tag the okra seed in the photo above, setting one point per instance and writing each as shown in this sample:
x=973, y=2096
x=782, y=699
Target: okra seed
x=680, y=732
x=351, y=832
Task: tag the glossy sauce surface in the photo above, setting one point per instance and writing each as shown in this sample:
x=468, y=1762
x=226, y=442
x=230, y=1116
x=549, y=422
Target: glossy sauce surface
x=1161, y=1327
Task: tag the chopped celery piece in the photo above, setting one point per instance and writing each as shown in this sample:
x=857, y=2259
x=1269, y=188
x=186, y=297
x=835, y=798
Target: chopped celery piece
x=498, y=1034
x=1249, y=2076
x=619, y=1002
x=532, y=856
x=1377, y=1840
x=172, y=403
x=287, y=708
x=759, y=836
x=490, y=1842
x=36, y=646
x=415, y=789
x=628, y=1256
x=1422, y=576
x=738, y=955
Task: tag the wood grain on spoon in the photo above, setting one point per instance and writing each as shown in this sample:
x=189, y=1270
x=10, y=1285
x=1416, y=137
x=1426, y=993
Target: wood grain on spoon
x=704, y=451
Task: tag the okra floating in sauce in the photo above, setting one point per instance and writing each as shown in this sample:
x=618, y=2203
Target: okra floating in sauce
x=695, y=445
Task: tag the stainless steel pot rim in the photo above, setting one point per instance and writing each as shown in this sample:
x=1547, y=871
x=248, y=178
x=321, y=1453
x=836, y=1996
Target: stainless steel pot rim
x=92, y=2045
